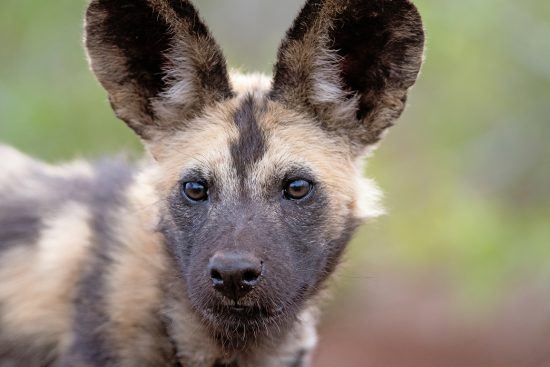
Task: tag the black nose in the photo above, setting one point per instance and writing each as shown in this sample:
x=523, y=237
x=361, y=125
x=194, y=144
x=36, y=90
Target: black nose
x=234, y=274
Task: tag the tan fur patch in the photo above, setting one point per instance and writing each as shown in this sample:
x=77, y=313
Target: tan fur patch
x=255, y=84
x=205, y=145
x=195, y=346
x=38, y=282
x=134, y=285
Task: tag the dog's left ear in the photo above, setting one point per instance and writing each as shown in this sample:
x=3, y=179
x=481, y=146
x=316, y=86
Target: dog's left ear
x=350, y=64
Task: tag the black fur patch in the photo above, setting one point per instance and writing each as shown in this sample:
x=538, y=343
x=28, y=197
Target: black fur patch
x=251, y=144
x=141, y=34
x=20, y=223
x=365, y=37
x=103, y=196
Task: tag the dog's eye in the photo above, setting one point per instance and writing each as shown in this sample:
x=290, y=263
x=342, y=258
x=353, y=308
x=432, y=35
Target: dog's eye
x=297, y=189
x=195, y=191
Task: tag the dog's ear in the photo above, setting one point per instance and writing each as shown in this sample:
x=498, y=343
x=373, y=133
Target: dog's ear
x=350, y=64
x=157, y=61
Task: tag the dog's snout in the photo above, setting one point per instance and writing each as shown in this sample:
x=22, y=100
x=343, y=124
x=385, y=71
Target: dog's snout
x=234, y=274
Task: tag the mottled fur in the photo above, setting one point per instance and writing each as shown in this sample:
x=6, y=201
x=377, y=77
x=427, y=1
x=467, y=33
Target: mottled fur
x=104, y=264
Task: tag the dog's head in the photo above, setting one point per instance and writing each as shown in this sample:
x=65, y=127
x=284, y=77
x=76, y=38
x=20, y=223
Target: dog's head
x=259, y=181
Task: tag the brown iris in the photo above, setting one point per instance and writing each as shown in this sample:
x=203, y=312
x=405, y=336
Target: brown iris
x=195, y=191
x=297, y=189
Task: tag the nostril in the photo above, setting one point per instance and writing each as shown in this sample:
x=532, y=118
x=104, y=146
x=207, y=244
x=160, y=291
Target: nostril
x=216, y=277
x=251, y=276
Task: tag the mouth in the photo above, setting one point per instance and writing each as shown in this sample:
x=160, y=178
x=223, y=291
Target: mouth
x=239, y=309
x=246, y=312
x=242, y=315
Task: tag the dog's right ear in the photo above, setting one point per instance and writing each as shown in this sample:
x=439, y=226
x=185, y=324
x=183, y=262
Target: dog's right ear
x=157, y=61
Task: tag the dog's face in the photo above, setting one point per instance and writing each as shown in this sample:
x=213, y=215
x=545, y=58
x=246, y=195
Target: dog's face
x=260, y=182
x=266, y=190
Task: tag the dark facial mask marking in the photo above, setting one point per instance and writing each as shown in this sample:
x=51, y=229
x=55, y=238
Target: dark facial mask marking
x=250, y=146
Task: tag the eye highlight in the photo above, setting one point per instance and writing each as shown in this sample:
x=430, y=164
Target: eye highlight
x=297, y=189
x=195, y=191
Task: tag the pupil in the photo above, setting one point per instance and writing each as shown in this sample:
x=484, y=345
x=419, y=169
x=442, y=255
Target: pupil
x=298, y=189
x=195, y=190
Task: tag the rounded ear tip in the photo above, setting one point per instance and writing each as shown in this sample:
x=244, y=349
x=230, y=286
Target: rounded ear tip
x=95, y=11
x=92, y=7
x=392, y=10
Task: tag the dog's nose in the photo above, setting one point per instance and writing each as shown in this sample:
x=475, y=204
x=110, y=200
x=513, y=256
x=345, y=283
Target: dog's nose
x=234, y=274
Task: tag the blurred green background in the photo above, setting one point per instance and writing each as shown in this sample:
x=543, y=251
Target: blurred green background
x=466, y=171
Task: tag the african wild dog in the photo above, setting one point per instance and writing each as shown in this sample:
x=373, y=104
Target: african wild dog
x=215, y=249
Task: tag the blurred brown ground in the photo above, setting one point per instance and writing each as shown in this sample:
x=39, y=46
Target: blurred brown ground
x=408, y=319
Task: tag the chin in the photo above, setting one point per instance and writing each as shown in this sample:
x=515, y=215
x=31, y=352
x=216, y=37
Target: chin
x=241, y=326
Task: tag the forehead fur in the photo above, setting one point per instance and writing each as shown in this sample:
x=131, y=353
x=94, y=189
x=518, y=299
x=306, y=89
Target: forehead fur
x=248, y=141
